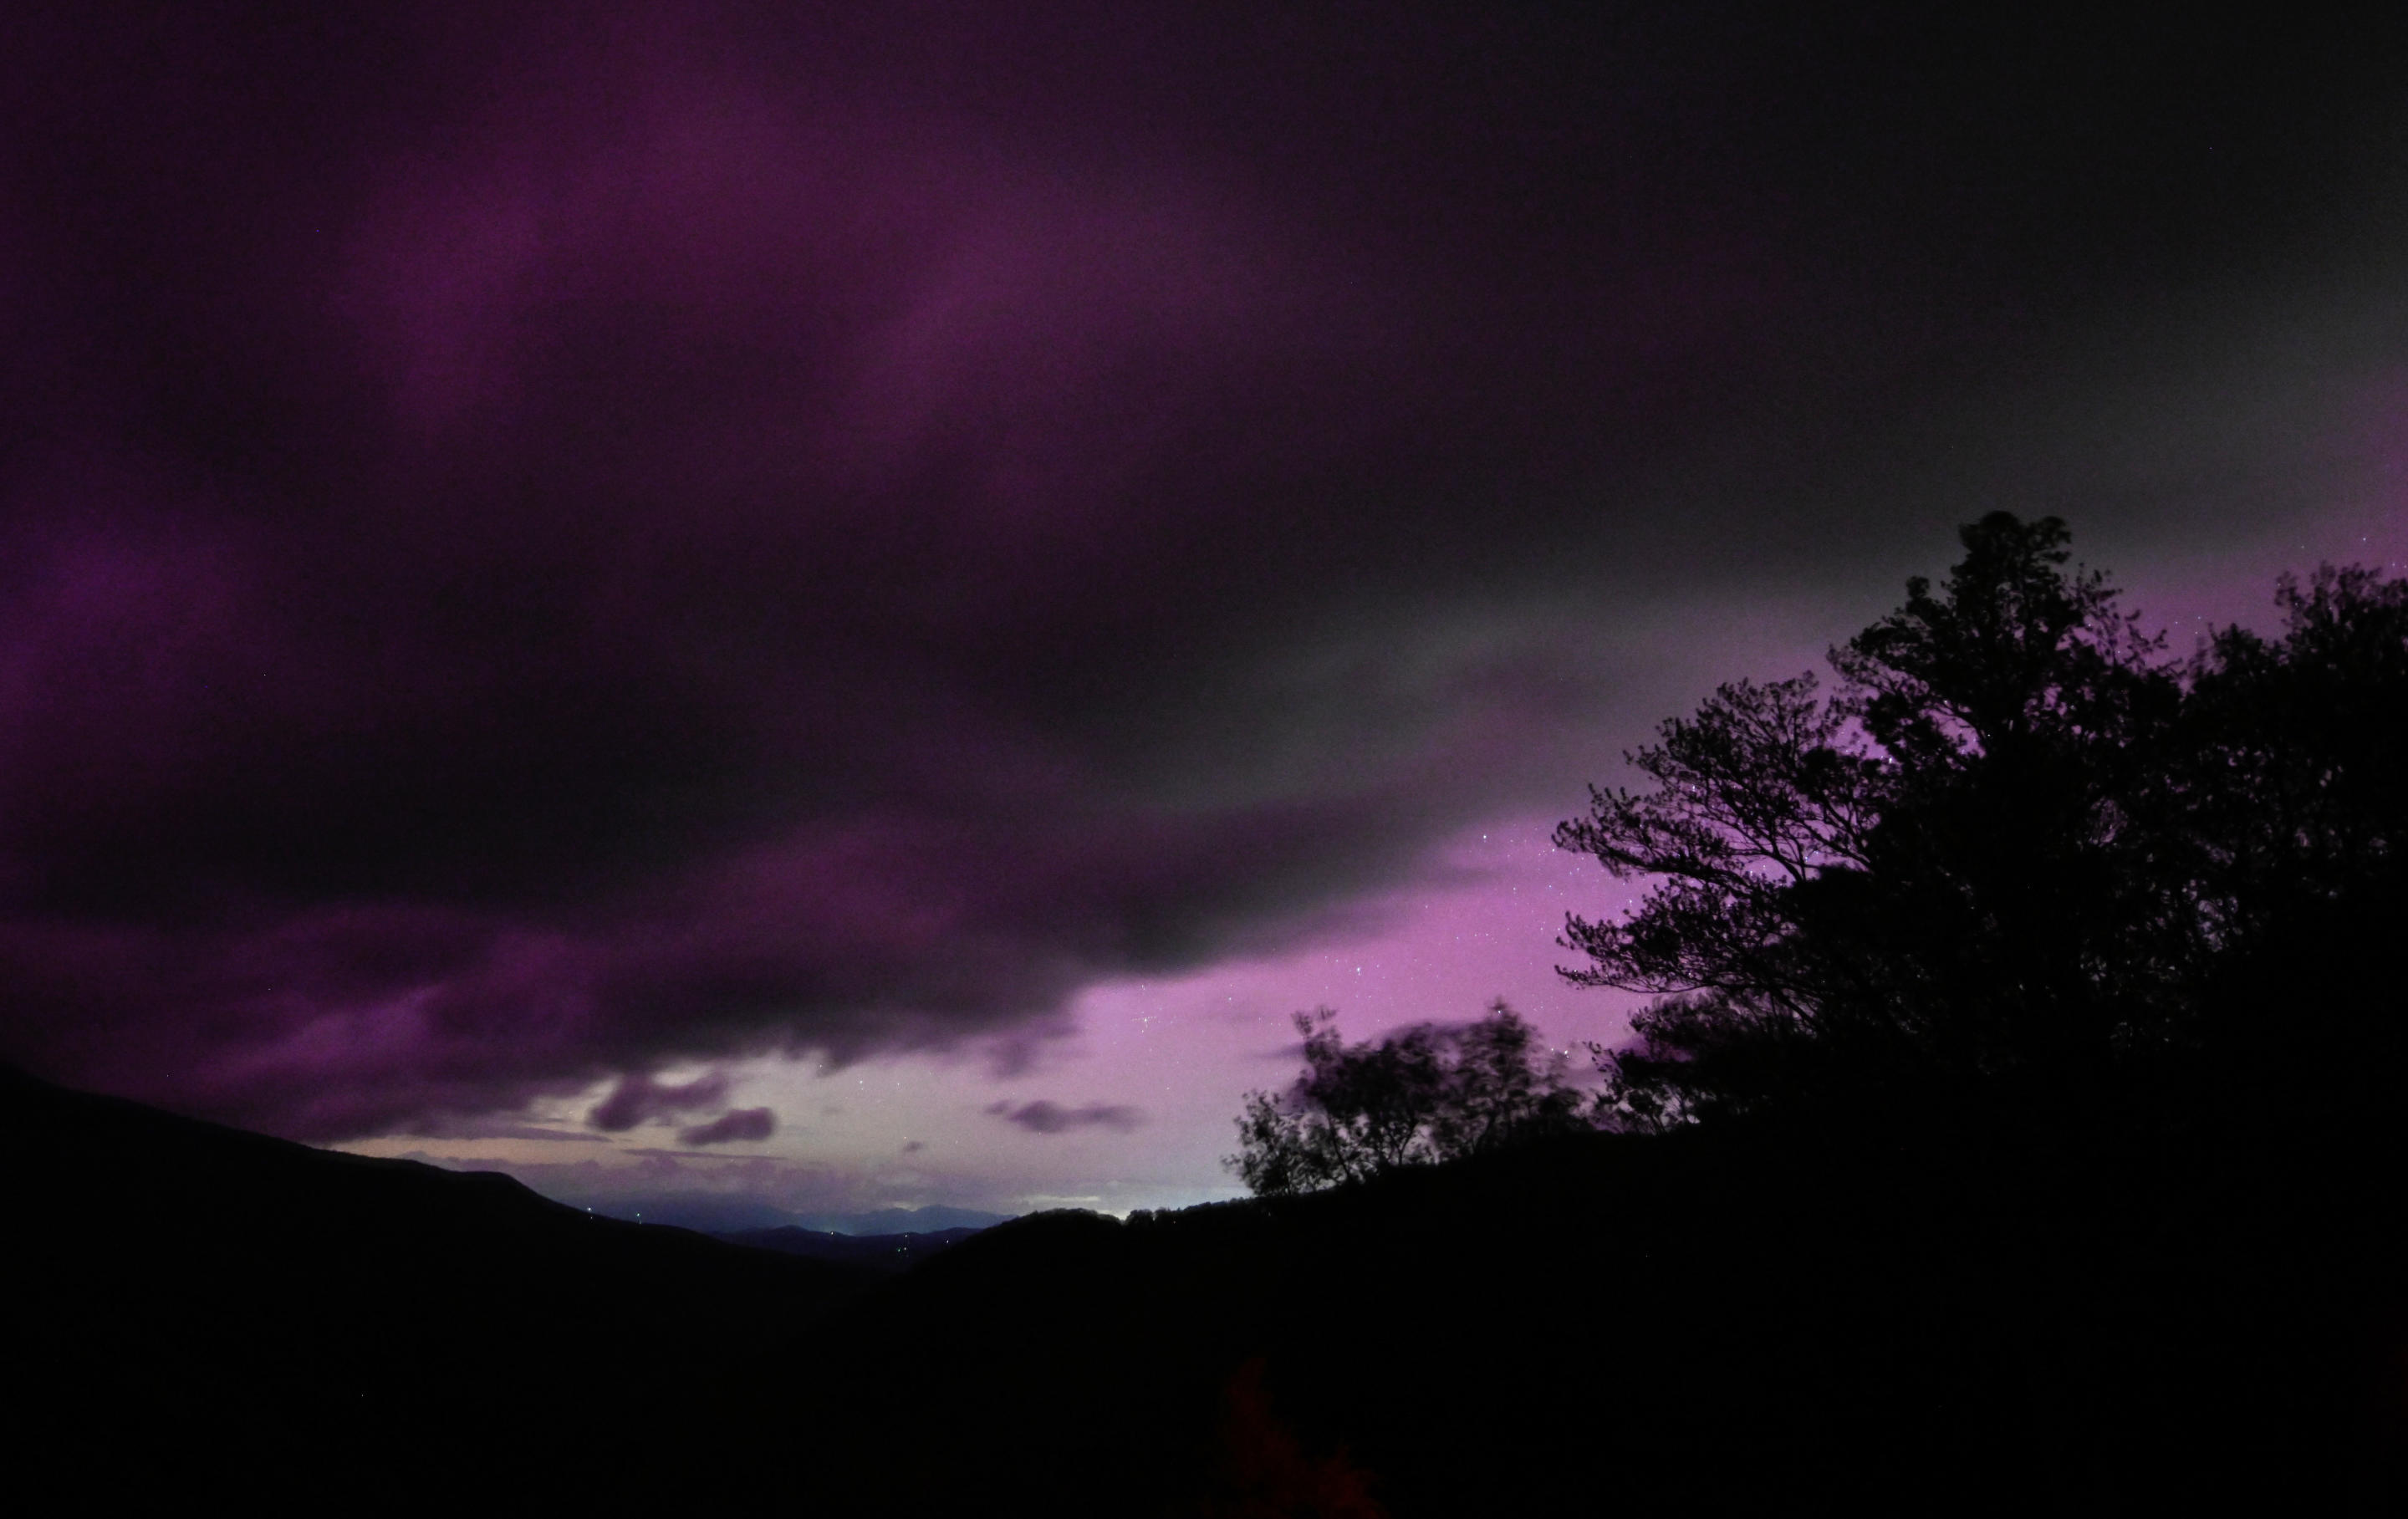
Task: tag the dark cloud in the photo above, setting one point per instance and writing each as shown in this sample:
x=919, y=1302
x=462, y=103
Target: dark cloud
x=637, y=1099
x=490, y=1127
x=656, y=1153
x=1047, y=1117
x=539, y=544
x=742, y=1125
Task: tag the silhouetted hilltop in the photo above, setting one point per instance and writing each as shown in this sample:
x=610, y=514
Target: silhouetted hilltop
x=199, y=1308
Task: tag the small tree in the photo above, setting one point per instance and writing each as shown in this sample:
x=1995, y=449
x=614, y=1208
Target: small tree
x=1429, y=1093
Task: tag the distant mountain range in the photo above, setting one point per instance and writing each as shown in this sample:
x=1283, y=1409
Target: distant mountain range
x=709, y=1214
x=885, y=1253
x=889, y=1220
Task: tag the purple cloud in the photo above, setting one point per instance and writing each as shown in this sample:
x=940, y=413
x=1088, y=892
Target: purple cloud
x=742, y=1125
x=1047, y=1117
x=764, y=534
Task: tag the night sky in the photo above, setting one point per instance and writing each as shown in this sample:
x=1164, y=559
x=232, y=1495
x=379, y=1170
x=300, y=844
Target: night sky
x=850, y=608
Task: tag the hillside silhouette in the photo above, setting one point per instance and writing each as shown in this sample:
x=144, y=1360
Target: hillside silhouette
x=200, y=1310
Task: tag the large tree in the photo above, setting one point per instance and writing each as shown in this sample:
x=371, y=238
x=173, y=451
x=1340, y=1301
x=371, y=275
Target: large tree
x=2015, y=845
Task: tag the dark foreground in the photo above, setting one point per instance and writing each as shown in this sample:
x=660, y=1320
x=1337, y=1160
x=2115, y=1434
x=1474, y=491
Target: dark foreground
x=1809, y=1320
x=1932, y=1317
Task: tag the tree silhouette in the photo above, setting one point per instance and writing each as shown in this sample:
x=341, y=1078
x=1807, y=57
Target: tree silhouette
x=2292, y=787
x=1429, y=1093
x=2016, y=846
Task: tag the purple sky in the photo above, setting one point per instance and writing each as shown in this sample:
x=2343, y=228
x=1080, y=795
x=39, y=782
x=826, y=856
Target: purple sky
x=853, y=610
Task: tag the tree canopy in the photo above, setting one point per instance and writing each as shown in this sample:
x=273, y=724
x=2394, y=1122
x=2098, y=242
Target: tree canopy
x=2013, y=849
x=2015, y=844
